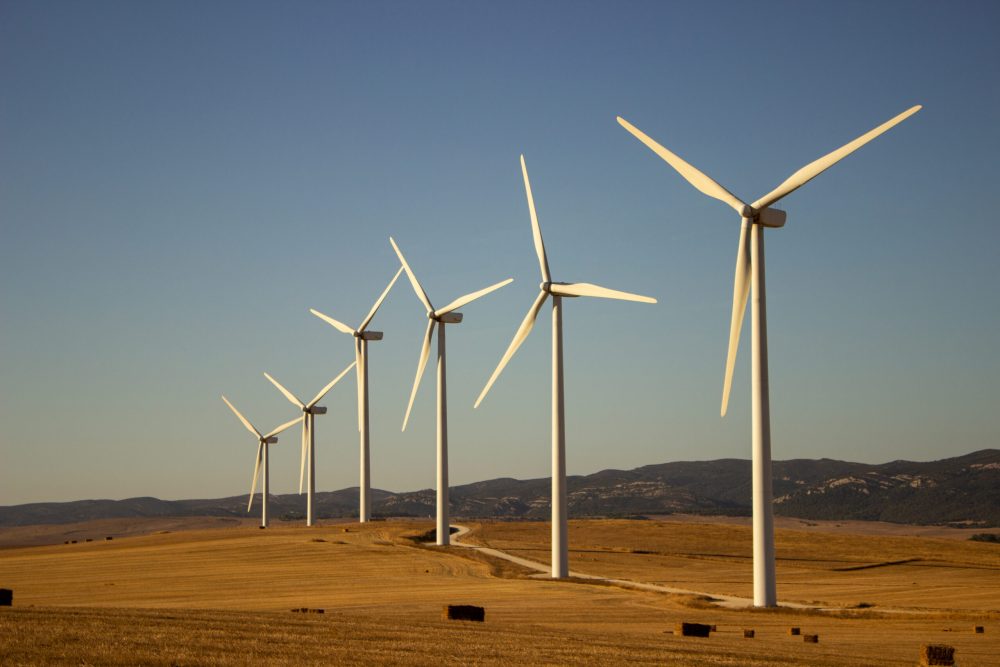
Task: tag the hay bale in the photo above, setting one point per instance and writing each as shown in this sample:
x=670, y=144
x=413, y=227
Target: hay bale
x=937, y=654
x=6, y=597
x=795, y=632
x=90, y=539
x=72, y=542
x=317, y=611
x=108, y=538
x=464, y=612
x=748, y=634
x=810, y=639
x=978, y=629
x=692, y=629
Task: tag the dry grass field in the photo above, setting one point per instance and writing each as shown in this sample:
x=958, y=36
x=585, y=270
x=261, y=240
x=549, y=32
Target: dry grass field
x=815, y=567
x=221, y=596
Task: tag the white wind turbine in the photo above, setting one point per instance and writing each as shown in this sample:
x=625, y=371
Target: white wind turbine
x=750, y=274
x=361, y=338
x=440, y=317
x=262, y=457
x=309, y=412
x=560, y=549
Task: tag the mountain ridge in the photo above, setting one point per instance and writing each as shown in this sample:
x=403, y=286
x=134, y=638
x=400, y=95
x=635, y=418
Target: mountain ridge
x=963, y=490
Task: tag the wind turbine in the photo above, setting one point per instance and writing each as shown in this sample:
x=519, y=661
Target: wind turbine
x=309, y=412
x=361, y=338
x=750, y=275
x=441, y=317
x=262, y=456
x=560, y=550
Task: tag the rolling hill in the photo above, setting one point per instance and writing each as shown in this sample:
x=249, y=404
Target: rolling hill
x=961, y=490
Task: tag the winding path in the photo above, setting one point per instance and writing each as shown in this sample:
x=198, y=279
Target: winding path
x=728, y=601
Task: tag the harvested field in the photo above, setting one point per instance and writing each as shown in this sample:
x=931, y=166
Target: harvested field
x=107, y=529
x=223, y=596
x=835, y=569
x=838, y=527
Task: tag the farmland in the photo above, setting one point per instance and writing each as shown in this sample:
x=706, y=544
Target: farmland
x=223, y=595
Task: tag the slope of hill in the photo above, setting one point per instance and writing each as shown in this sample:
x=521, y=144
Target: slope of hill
x=961, y=490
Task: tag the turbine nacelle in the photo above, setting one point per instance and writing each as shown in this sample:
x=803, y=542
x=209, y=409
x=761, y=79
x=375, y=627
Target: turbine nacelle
x=315, y=410
x=766, y=217
x=269, y=441
x=445, y=318
x=368, y=335
x=553, y=289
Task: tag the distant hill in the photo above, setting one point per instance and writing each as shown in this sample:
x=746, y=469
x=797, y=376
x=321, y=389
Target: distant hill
x=961, y=490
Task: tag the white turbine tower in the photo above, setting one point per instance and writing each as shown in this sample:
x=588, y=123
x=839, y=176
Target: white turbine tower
x=262, y=457
x=361, y=338
x=750, y=275
x=560, y=549
x=440, y=317
x=309, y=412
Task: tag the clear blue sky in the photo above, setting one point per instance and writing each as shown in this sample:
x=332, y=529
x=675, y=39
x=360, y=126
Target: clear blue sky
x=181, y=181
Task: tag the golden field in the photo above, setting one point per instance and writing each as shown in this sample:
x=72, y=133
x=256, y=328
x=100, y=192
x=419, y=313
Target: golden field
x=223, y=595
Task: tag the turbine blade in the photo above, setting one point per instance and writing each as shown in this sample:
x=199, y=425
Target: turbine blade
x=256, y=469
x=302, y=458
x=421, y=294
x=425, y=352
x=340, y=326
x=741, y=289
x=246, y=422
x=385, y=292
x=691, y=174
x=357, y=373
x=587, y=289
x=328, y=387
x=283, y=427
x=469, y=298
x=536, y=231
x=289, y=395
x=814, y=169
x=522, y=333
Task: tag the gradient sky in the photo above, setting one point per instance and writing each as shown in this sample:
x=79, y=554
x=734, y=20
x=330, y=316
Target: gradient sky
x=181, y=181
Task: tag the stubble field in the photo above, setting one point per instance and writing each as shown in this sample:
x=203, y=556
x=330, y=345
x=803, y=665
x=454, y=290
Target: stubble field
x=223, y=596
